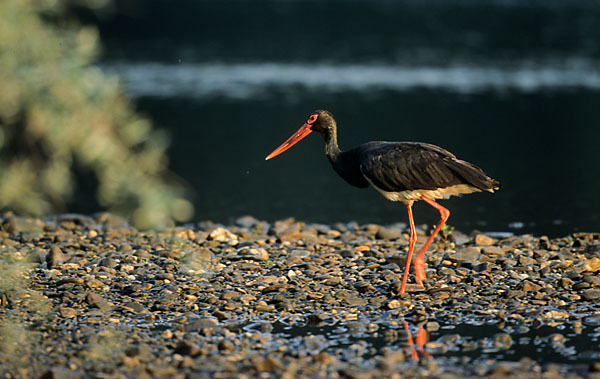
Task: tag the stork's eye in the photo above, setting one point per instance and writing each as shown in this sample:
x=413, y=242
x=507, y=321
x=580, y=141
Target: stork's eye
x=312, y=118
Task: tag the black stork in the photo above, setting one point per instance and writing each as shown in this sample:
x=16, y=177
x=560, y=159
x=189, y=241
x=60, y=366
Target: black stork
x=400, y=171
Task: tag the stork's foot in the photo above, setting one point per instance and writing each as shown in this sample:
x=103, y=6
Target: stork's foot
x=420, y=267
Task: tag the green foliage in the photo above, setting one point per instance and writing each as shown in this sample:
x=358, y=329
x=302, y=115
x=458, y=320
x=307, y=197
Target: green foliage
x=60, y=115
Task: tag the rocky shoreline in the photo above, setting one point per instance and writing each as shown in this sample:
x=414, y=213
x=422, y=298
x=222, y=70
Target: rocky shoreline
x=93, y=297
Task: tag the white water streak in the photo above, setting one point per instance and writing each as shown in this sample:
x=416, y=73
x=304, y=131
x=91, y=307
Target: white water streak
x=200, y=80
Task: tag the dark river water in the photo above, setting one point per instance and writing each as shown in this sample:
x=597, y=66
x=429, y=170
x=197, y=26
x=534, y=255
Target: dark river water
x=511, y=86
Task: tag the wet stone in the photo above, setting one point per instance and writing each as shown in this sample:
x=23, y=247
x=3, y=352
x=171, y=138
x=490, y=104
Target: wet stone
x=107, y=262
x=291, y=233
x=222, y=235
x=592, y=265
x=528, y=285
x=468, y=254
x=56, y=257
x=482, y=267
x=258, y=254
x=99, y=302
x=67, y=312
x=581, y=286
x=483, y=240
x=526, y=261
x=593, y=280
x=94, y=283
x=386, y=233
x=201, y=323
x=591, y=294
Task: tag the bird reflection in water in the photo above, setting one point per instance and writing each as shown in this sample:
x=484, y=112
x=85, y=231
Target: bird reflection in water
x=418, y=346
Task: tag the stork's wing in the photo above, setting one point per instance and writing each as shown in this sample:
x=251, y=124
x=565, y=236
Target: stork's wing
x=401, y=166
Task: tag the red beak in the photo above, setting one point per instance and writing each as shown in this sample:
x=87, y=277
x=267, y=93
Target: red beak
x=295, y=138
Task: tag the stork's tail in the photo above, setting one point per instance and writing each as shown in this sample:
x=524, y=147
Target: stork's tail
x=475, y=176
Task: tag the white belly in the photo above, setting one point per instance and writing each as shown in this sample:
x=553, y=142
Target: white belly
x=440, y=193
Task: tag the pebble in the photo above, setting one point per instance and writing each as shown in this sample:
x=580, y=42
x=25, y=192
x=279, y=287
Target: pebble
x=483, y=240
x=591, y=294
x=222, y=235
x=258, y=254
x=386, y=233
x=66, y=312
x=592, y=265
x=528, y=285
x=99, y=302
x=103, y=299
x=465, y=254
x=56, y=257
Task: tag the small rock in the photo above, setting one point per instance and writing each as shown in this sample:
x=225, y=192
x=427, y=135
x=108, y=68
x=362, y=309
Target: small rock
x=594, y=280
x=107, y=262
x=201, y=323
x=67, y=312
x=591, y=294
x=99, y=302
x=291, y=233
x=165, y=276
x=482, y=267
x=494, y=251
x=222, y=235
x=530, y=286
x=259, y=254
x=141, y=351
x=226, y=346
x=432, y=326
x=133, y=306
x=268, y=364
x=592, y=264
x=436, y=348
x=465, y=254
x=388, y=233
x=526, y=261
x=246, y=222
x=556, y=339
x=264, y=308
x=393, y=358
x=483, y=240
x=56, y=257
x=566, y=283
x=187, y=348
x=15, y=225
x=62, y=373
x=94, y=283
x=198, y=259
x=555, y=315
x=297, y=256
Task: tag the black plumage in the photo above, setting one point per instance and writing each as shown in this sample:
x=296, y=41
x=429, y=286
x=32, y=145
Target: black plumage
x=406, y=166
x=401, y=171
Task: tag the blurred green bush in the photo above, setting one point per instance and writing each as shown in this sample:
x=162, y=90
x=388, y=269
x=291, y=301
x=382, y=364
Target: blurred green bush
x=59, y=115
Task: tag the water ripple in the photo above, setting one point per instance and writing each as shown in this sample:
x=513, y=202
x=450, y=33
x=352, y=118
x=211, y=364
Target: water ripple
x=244, y=80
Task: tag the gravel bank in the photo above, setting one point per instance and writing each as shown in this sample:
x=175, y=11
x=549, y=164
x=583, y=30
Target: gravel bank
x=92, y=297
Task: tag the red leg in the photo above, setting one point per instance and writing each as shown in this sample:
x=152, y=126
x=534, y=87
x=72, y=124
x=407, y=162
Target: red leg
x=420, y=264
x=411, y=245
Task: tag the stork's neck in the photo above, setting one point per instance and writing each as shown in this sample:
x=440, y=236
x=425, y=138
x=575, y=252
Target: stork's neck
x=332, y=150
x=345, y=163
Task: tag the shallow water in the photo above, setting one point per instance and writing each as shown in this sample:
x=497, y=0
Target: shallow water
x=452, y=343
